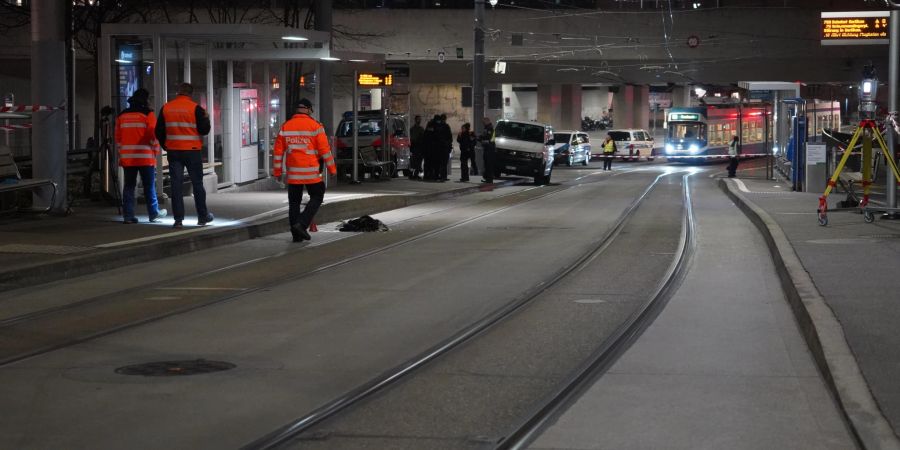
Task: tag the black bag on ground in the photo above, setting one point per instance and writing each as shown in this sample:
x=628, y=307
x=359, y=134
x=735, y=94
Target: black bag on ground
x=364, y=223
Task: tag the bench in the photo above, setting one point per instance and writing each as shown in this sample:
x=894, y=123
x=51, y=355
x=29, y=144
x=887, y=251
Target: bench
x=11, y=180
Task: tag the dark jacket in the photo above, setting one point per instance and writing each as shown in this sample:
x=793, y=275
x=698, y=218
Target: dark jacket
x=444, y=136
x=466, y=141
x=416, y=138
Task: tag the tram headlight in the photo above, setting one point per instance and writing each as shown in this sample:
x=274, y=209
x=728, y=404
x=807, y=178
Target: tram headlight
x=694, y=149
x=670, y=149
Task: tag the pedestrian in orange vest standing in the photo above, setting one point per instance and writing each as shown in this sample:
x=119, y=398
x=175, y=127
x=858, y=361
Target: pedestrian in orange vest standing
x=137, y=155
x=179, y=128
x=300, y=145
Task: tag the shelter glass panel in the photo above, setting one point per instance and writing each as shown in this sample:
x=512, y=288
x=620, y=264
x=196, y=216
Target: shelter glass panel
x=220, y=84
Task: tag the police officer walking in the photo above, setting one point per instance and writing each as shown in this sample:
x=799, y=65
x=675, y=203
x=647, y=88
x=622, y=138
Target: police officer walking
x=137, y=145
x=299, y=146
x=181, y=123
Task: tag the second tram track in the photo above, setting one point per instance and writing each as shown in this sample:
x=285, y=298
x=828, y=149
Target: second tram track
x=37, y=315
x=389, y=378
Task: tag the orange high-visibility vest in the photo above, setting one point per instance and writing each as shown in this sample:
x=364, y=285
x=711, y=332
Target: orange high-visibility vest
x=135, y=139
x=298, y=147
x=181, y=124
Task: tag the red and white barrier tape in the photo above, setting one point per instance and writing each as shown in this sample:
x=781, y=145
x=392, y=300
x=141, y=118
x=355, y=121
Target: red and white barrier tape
x=8, y=128
x=29, y=108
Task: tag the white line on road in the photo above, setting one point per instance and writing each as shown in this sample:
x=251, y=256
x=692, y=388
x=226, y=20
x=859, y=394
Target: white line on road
x=199, y=289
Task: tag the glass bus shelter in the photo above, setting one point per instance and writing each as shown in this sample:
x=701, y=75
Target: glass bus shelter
x=242, y=75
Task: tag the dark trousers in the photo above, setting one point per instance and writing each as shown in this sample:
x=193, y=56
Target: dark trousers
x=415, y=164
x=148, y=179
x=295, y=195
x=431, y=164
x=732, y=166
x=464, y=157
x=607, y=161
x=488, y=169
x=192, y=160
x=443, y=164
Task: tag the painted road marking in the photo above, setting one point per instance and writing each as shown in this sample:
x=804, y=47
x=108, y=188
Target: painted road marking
x=200, y=289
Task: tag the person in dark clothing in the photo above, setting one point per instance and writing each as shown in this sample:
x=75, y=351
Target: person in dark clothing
x=466, y=140
x=487, y=146
x=416, y=150
x=444, y=146
x=430, y=142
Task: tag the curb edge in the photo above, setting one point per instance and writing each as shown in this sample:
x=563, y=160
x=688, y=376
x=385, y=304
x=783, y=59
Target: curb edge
x=822, y=332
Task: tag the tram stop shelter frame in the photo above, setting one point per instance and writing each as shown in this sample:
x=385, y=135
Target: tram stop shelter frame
x=242, y=51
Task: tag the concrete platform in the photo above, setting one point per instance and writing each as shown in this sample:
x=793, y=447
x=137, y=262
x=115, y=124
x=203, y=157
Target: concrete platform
x=40, y=248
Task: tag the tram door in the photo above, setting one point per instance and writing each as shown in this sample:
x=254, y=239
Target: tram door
x=242, y=135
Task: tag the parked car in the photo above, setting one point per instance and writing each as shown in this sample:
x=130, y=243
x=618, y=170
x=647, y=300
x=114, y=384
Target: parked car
x=524, y=148
x=633, y=144
x=371, y=134
x=572, y=147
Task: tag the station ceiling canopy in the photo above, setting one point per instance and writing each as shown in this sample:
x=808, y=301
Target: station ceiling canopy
x=245, y=41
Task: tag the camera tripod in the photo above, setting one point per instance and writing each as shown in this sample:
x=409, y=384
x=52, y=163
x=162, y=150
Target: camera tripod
x=868, y=131
x=111, y=166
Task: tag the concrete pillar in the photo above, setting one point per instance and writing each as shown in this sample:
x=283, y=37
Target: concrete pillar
x=48, y=87
x=570, y=108
x=549, y=103
x=642, y=107
x=681, y=96
x=623, y=107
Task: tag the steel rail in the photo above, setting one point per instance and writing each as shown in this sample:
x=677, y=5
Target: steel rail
x=391, y=376
x=627, y=333
x=37, y=315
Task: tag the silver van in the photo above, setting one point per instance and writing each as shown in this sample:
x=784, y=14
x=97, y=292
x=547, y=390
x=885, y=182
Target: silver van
x=524, y=148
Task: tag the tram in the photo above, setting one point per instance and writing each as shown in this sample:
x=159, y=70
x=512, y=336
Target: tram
x=703, y=133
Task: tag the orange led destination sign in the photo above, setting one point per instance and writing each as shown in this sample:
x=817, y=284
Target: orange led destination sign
x=855, y=28
x=375, y=79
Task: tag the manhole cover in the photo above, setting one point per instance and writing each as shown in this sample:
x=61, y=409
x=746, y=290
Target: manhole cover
x=175, y=368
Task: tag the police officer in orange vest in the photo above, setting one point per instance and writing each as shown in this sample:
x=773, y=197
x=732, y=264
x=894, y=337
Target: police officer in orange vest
x=179, y=128
x=300, y=145
x=137, y=155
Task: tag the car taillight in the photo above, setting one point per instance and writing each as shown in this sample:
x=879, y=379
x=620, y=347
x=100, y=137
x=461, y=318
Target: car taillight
x=376, y=142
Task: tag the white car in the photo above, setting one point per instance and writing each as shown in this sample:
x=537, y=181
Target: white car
x=571, y=147
x=633, y=144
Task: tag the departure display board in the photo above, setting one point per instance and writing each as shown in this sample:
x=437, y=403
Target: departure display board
x=375, y=79
x=855, y=28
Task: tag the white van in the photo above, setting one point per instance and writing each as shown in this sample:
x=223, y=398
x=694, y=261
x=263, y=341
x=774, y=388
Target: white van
x=524, y=148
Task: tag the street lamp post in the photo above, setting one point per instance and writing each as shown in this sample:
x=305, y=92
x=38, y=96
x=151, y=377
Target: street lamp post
x=478, y=70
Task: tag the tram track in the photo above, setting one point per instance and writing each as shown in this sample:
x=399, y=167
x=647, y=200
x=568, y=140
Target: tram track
x=106, y=314
x=293, y=432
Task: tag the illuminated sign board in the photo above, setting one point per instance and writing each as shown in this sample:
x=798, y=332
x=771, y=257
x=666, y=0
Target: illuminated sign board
x=855, y=28
x=375, y=79
x=684, y=116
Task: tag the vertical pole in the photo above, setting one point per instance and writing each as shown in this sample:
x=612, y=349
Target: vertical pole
x=160, y=95
x=267, y=101
x=323, y=22
x=186, y=70
x=355, y=127
x=48, y=87
x=210, y=109
x=894, y=78
x=478, y=70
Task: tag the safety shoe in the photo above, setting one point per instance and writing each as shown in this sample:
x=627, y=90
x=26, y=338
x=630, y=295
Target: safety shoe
x=159, y=214
x=129, y=220
x=209, y=218
x=300, y=234
x=177, y=225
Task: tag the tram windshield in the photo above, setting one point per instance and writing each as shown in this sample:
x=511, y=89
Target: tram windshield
x=689, y=130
